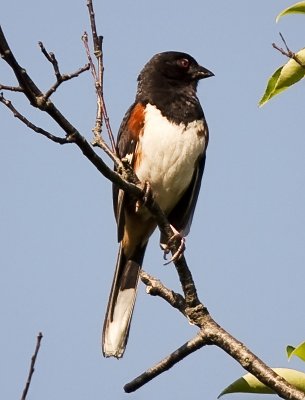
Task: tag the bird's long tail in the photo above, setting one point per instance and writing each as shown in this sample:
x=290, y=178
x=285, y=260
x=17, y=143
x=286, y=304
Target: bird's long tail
x=121, y=302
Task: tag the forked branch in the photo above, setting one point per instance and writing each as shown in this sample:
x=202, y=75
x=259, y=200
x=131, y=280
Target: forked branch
x=98, y=76
x=288, y=53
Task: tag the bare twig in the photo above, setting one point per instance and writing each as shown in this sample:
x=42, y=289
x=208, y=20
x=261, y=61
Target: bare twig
x=11, y=88
x=164, y=365
x=31, y=91
x=104, y=108
x=52, y=59
x=91, y=63
x=93, y=26
x=288, y=53
x=284, y=41
x=64, y=78
x=32, y=367
x=155, y=287
x=98, y=139
x=98, y=77
x=60, y=78
x=284, y=52
x=29, y=124
x=100, y=73
x=97, y=130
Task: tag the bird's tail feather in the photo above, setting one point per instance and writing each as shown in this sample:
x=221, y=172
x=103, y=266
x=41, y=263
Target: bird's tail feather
x=121, y=303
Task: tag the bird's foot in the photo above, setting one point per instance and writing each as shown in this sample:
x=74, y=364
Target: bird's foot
x=146, y=187
x=166, y=247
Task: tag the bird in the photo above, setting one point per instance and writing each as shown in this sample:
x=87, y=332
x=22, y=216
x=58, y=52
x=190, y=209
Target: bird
x=163, y=137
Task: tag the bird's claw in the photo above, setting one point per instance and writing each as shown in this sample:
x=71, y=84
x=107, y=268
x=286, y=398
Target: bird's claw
x=166, y=247
x=146, y=187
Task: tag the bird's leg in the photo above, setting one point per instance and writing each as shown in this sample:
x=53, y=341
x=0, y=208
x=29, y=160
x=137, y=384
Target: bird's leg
x=165, y=246
x=146, y=187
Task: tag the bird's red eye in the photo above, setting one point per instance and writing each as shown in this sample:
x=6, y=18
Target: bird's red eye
x=184, y=63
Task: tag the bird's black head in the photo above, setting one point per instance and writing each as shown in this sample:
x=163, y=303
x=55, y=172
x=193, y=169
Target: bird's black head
x=172, y=68
x=169, y=81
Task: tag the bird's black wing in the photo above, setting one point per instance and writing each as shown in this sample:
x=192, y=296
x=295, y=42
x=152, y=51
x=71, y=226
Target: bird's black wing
x=182, y=215
x=127, y=142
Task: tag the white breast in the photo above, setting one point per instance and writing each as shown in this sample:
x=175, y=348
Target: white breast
x=168, y=155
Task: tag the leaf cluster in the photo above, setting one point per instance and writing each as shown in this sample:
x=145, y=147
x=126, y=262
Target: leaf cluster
x=291, y=72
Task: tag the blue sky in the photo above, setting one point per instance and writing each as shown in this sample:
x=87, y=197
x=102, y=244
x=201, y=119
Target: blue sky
x=57, y=232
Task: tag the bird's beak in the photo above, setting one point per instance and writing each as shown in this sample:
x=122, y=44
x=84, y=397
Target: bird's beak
x=202, y=73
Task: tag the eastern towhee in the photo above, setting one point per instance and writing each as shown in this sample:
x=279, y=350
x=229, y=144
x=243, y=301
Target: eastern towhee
x=164, y=137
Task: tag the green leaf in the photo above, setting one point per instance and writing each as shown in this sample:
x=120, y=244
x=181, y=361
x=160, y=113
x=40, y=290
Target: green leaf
x=297, y=8
x=289, y=351
x=249, y=384
x=284, y=77
x=298, y=351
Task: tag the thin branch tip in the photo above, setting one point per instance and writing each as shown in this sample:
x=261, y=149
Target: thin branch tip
x=32, y=366
x=168, y=362
x=288, y=53
x=98, y=75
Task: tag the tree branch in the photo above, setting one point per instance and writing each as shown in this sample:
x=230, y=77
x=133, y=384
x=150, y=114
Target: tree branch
x=60, y=78
x=52, y=59
x=11, y=88
x=288, y=53
x=164, y=365
x=98, y=77
x=213, y=334
x=97, y=130
x=32, y=367
x=248, y=360
x=155, y=287
x=124, y=178
x=29, y=124
x=30, y=90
